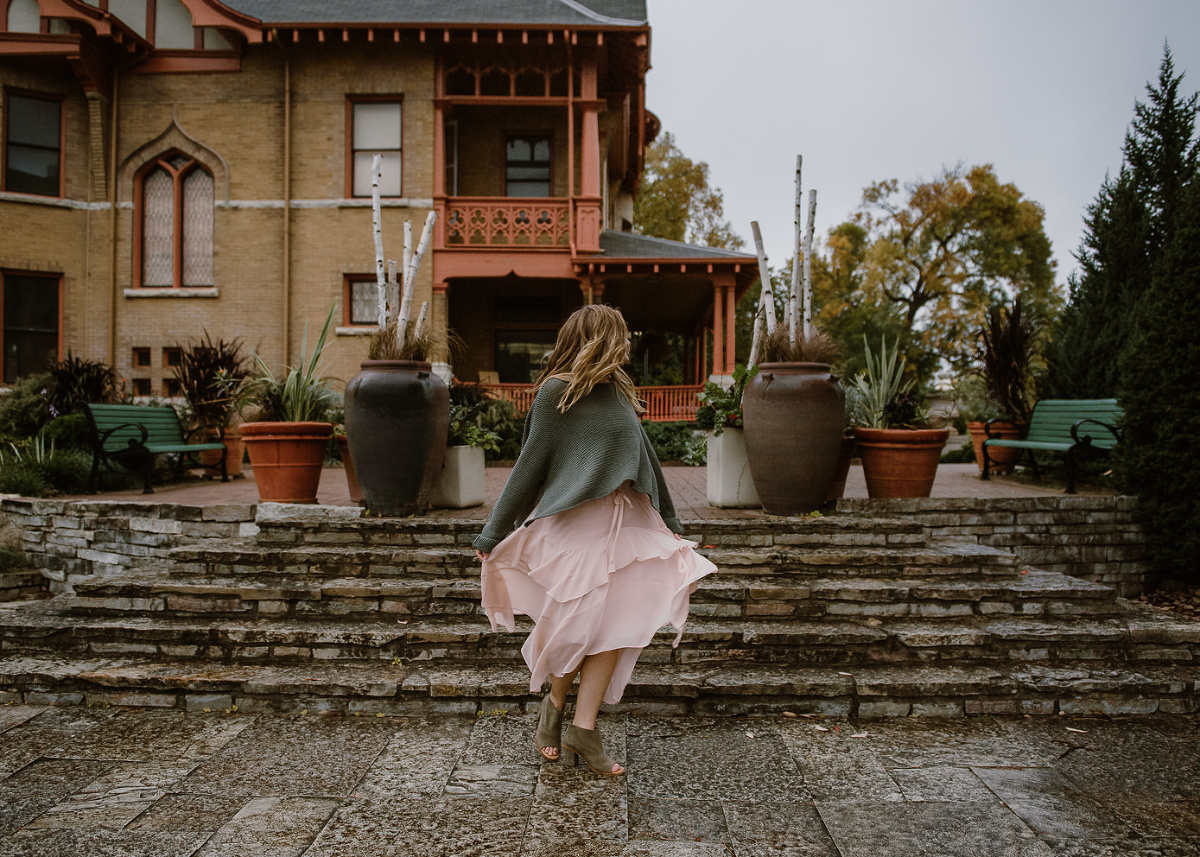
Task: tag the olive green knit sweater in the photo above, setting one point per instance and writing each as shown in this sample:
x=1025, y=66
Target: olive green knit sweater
x=568, y=459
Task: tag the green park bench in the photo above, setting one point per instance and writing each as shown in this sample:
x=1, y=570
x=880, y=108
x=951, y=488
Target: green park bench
x=127, y=438
x=1072, y=426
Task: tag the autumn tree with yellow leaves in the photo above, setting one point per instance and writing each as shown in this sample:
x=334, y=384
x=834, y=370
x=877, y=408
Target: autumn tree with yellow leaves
x=927, y=262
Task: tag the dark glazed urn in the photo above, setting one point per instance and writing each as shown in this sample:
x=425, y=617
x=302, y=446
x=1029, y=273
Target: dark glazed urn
x=397, y=416
x=793, y=415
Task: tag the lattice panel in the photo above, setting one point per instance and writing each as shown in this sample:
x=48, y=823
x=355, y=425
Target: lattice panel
x=158, y=229
x=198, y=229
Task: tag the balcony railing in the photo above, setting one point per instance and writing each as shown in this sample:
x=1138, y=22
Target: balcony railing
x=663, y=404
x=488, y=222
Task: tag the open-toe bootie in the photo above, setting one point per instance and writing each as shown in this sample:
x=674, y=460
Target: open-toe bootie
x=549, y=728
x=585, y=743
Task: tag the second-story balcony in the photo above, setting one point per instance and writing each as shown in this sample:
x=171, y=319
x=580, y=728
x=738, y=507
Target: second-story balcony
x=495, y=222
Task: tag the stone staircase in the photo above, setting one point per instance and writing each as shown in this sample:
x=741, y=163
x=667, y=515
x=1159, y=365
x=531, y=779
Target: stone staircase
x=323, y=609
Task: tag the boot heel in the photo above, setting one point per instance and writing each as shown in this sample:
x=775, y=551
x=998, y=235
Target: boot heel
x=569, y=758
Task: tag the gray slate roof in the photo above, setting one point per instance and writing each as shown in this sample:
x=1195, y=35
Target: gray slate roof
x=573, y=13
x=626, y=245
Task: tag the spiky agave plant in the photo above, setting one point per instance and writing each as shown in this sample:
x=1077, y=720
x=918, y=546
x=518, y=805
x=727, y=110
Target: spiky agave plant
x=882, y=382
x=302, y=395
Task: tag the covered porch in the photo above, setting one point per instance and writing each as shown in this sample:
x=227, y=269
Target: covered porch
x=507, y=305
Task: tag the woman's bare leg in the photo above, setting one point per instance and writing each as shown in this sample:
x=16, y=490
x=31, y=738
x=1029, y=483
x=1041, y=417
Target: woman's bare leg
x=594, y=675
x=560, y=686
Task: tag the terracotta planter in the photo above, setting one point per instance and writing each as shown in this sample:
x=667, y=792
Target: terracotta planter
x=287, y=459
x=900, y=462
x=730, y=485
x=461, y=484
x=234, y=446
x=793, y=415
x=356, y=494
x=845, y=456
x=1004, y=458
x=397, y=418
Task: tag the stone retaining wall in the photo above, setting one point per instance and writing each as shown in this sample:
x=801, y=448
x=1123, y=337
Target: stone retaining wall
x=70, y=540
x=1096, y=538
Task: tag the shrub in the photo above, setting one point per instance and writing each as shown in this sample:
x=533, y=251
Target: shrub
x=77, y=381
x=22, y=476
x=69, y=432
x=26, y=407
x=209, y=374
x=676, y=442
x=501, y=417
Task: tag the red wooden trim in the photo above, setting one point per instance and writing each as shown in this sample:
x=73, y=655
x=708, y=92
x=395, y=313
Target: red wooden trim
x=152, y=20
x=663, y=404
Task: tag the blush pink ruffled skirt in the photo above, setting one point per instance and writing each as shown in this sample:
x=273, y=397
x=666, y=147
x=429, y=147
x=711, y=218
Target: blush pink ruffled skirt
x=604, y=575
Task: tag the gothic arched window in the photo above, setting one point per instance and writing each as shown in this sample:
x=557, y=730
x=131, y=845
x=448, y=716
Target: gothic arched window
x=174, y=236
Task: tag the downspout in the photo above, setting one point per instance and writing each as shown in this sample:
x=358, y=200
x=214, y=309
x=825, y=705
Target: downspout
x=570, y=143
x=287, y=201
x=112, y=220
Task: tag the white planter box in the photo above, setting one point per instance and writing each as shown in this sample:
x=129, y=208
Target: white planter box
x=730, y=485
x=461, y=483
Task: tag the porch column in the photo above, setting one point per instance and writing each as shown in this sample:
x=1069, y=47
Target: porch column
x=730, y=328
x=718, y=361
x=439, y=312
x=587, y=213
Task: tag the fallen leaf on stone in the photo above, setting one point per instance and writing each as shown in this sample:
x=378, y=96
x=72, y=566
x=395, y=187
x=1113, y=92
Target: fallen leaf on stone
x=789, y=714
x=750, y=735
x=822, y=729
x=809, y=716
x=859, y=735
x=846, y=674
x=1080, y=731
x=837, y=728
x=710, y=546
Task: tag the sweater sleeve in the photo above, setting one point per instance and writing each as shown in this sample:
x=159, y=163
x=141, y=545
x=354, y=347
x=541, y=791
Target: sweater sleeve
x=524, y=484
x=666, y=507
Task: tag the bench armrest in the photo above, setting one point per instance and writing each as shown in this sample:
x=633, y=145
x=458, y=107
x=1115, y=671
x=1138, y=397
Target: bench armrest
x=1087, y=440
x=987, y=426
x=105, y=435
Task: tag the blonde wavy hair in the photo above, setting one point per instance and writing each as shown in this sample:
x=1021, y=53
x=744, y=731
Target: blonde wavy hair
x=592, y=346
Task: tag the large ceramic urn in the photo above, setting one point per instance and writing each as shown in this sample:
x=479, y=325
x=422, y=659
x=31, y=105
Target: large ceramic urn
x=793, y=415
x=397, y=417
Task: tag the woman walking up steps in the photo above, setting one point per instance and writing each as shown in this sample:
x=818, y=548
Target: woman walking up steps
x=584, y=537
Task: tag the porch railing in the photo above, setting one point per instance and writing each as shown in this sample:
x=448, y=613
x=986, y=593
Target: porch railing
x=488, y=222
x=663, y=404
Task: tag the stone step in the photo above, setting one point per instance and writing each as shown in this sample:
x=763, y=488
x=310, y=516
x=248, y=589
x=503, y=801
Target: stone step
x=285, y=524
x=722, y=595
x=374, y=688
x=1132, y=636
x=23, y=584
x=942, y=558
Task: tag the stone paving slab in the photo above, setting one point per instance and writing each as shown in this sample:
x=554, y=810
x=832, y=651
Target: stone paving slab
x=132, y=782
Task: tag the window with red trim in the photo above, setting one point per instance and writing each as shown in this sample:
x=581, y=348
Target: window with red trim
x=375, y=129
x=31, y=313
x=32, y=144
x=174, y=247
x=361, y=301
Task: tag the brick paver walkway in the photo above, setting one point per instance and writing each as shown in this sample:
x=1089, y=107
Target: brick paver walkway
x=688, y=489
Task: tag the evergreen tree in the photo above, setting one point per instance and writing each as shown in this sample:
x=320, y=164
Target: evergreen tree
x=1128, y=226
x=1157, y=459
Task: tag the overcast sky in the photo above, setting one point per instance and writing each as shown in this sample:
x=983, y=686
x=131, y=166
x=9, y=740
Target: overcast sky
x=874, y=89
